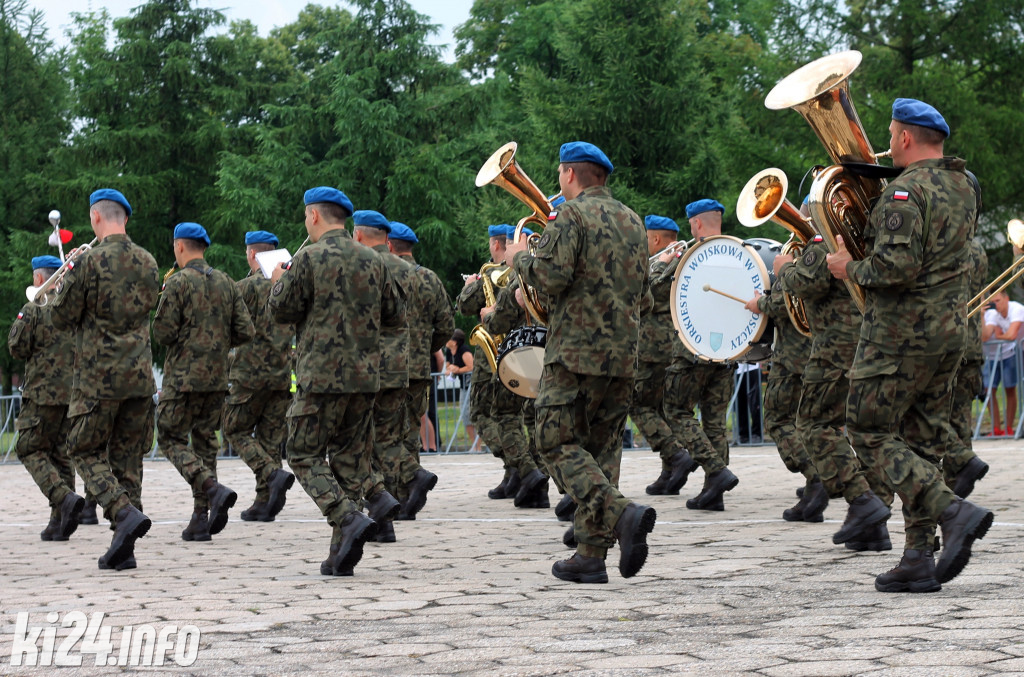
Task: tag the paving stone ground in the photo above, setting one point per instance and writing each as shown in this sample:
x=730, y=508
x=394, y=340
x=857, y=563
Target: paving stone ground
x=467, y=588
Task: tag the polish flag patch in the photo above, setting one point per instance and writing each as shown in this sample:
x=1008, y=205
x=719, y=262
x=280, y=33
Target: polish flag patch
x=901, y=195
x=552, y=216
x=21, y=315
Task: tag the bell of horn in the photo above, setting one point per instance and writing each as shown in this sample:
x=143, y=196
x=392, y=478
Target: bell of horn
x=764, y=199
x=502, y=170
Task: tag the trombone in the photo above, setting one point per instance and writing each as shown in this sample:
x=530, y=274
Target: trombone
x=1015, y=234
x=41, y=295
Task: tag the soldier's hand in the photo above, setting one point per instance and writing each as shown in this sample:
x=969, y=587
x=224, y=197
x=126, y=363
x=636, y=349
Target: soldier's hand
x=470, y=279
x=752, y=303
x=668, y=257
x=837, y=262
x=513, y=248
x=781, y=260
x=519, y=297
x=278, y=272
x=484, y=312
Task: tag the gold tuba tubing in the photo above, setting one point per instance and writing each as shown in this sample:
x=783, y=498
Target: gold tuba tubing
x=491, y=275
x=839, y=200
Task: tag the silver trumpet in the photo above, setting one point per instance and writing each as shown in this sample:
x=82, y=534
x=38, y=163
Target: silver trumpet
x=677, y=247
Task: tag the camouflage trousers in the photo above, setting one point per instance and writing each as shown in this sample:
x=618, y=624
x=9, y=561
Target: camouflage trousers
x=966, y=387
x=256, y=427
x=507, y=413
x=689, y=385
x=107, y=442
x=42, y=447
x=819, y=421
x=416, y=407
x=390, y=426
x=329, y=448
x=781, y=397
x=530, y=424
x=481, y=396
x=580, y=420
x=197, y=416
x=648, y=411
x=898, y=419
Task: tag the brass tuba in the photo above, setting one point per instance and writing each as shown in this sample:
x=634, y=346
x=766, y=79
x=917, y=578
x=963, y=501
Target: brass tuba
x=763, y=199
x=502, y=170
x=492, y=276
x=840, y=201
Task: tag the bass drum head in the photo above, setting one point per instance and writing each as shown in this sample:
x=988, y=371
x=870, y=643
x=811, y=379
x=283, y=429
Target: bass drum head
x=521, y=360
x=713, y=326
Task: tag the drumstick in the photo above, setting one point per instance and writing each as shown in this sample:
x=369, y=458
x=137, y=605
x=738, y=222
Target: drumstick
x=708, y=287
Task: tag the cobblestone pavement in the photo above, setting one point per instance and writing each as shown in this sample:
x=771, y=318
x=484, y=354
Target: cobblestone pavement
x=467, y=588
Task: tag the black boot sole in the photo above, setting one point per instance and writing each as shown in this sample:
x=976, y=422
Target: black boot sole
x=576, y=577
x=633, y=555
x=927, y=585
x=278, y=497
x=977, y=528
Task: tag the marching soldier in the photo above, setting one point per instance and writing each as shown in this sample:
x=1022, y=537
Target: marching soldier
x=43, y=422
x=201, y=316
x=430, y=325
x=689, y=384
x=912, y=340
x=340, y=296
x=657, y=342
x=259, y=383
x=106, y=299
x=590, y=264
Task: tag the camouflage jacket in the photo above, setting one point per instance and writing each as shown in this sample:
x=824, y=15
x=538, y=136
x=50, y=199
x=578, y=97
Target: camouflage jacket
x=915, y=271
x=790, y=348
x=49, y=356
x=508, y=314
x=266, y=362
x=201, y=316
x=657, y=333
x=431, y=320
x=106, y=298
x=470, y=302
x=831, y=312
x=394, y=343
x=591, y=263
x=340, y=296
x=977, y=270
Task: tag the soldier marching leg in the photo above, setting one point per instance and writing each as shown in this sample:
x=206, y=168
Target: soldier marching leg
x=42, y=448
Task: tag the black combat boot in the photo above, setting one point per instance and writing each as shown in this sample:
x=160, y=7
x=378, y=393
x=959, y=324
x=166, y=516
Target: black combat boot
x=70, y=509
x=198, y=528
x=961, y=523
x=796, y=513
x=127, y=564
x=865, y=511
x=875, y=537
x=566, y=509
x=580, y=569
x=816, y=501
x=534, y=479
x=382, y=507
x=386, y=534
x=132, y=525
x=635, y=522
x=52, y=529
x=657, y=487
x=279, y=482
x=499, y=491
x=422, y=482
x=327, y=566
x=963, y=483
x=221, y=499
x=914, y=573
x=257, y=512
x=715, y=484
x=88, y=515
x=512, y=488
x=356, y=529
x=681, y=465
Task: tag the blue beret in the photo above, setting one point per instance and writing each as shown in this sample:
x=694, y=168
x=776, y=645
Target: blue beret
x=191, y=231
x=914, y=112
x=701, y=206
x=500, y=230
x=558, y=199
x=371, y=219
x=660, y=223
x=260, y=237
x=327, y=194
x=512, y=232
x=112, y=195
x=45, y=262
x=400, y=231
x=581, y=151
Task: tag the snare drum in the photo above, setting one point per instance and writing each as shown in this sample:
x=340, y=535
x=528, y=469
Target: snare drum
x=713, y=280
x=521, y=360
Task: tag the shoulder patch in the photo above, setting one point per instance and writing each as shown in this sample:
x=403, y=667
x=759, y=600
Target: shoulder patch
x=894, y=221
x=278, y=288
x=817, y=238
x=901, y=195
x=552, y=215
x=544, y=239
x=810, y=258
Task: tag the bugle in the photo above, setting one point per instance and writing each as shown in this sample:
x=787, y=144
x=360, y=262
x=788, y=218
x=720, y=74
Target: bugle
x=1015, y=235
x=41, y=295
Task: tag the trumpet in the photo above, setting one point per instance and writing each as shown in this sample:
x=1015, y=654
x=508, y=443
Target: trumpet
x=677, y=247
x=41, y=295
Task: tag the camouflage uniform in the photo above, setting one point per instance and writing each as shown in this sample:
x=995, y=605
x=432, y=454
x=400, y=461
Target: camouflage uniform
x=201, y=316
x=785, y=380
x=835, y=322
x=340, y=296
x=656, y=344
x=106, y=298
x=470, y=302
x=259, y=387
x=913, y=335
x=590, y=263
x=689, y=384
x=431, y=324
x=968, y=383
x=43, y=422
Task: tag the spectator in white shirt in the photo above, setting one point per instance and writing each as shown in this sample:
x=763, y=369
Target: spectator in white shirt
x=1003, y=323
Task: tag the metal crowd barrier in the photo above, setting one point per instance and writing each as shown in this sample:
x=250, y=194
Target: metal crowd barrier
x=10, y=405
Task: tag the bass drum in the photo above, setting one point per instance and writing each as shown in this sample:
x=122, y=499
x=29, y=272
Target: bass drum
x=521, y=360
x=713, y=281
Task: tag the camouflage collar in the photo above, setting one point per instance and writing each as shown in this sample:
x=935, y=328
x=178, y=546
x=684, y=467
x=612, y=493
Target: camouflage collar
x=407, y=257
x=594, y=191
x=382, y=248
x=117, y=237
x=335, y=232
x=948, y=162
